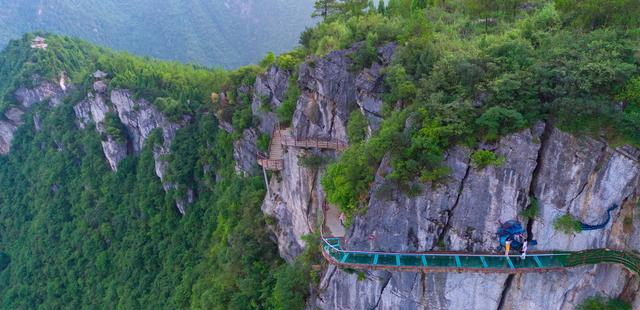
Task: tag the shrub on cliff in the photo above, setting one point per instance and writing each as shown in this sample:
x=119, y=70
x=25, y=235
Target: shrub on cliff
x=483, y=158
x=601, y=303
x=567, y=224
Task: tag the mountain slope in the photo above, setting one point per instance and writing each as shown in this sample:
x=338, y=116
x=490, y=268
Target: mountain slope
x=79, y=233
x=226, y=33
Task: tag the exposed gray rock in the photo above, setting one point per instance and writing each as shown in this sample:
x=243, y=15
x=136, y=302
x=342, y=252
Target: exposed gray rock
x=582, y=177
x=182, y=203
x=37, y=122
x=94, y=109
x=14, y=115
x=100, y=87
x=566, y=174
x=114, y=150
x=46, y=90
x=26, y=98
x=7, y=130
x=369, y=88
x=494, y=195
x=293, y=203
x=140, y=119
x=328, y=97
x=385, y=53
x=268, y=94
x=245, y=152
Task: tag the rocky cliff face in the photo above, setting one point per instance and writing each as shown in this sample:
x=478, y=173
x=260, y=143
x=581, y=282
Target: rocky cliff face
x=139, y=119
x=329, y=93
x=268, y=94
x=26, y=98
x=563, y=173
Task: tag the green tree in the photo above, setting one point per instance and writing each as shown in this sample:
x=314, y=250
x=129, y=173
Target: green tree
x=325, y=8
x=381, y=8
x=601, y=303
x=353, y=7
x=567, y=224
x=268, y=60
x=497, y=121
x=591, y=14
x=357, y=127
x=418, y=4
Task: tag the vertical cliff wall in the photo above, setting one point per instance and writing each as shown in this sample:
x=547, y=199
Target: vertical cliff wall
x=565, y=174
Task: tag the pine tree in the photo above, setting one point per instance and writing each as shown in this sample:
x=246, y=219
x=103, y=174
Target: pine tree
x=418, y=4
x=353, y=7
x=371, y=8
x=325, y=8
x=381, y=8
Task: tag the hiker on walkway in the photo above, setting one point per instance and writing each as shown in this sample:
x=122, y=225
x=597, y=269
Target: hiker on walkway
x=507, y=247
x=523, y=252
x=341, y=218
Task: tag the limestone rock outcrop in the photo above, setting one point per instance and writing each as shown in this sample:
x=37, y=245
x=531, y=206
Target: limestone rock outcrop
x=139, y=119
x=564, y=173
x=27, y=98
x=268, y=94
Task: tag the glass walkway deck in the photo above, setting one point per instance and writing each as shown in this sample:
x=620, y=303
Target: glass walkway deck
x=464, y=262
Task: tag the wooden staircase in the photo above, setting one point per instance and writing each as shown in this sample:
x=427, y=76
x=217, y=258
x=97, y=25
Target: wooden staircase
x=273, y=160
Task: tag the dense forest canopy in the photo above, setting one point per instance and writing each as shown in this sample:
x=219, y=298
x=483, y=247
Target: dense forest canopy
x=75, y=235
x=213, y=33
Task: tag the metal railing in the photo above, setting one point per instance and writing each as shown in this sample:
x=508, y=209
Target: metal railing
x=442, y=261
x=286, y=139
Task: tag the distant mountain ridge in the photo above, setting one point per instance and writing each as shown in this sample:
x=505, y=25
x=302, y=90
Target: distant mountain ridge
x=228, y=33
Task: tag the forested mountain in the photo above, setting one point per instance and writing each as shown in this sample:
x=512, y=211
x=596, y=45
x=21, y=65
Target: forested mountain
x=227, y=33
x=133, y=183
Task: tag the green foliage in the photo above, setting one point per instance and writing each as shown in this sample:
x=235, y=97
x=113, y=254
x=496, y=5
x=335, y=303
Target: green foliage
x=357, y=127
x=263, y=142
x=291, y=288
x=601, y=303
x=631, y=92
x=116, y=238
x=381, y=9
x=288, y=106
x=591, y=14
x=268, y=60
x=567, y=224
x=114, y=127
x=172, y=109
x=347, y=181
x=366, y=55
x=242, y=118
x=293, y=280
x=497, y=121
x=482, y=158
x=312, y=160
x=454, y=79
x=325, y=9
x=22, y=66
x=401, y=88
x=4, y=261
x=287, y=62
x=532, y=211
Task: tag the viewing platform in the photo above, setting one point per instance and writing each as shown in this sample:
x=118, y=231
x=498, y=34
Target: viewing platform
x=473, y=262
x=273, y=160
